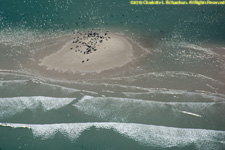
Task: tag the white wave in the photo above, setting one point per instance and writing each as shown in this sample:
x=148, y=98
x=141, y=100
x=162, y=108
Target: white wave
x=15, y=105
x=71, y=131
x=149, y=135
x=130, y=110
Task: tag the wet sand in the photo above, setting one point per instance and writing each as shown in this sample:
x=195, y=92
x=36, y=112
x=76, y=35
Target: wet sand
x=90, y=52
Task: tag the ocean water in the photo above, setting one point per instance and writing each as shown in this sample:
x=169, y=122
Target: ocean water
x=173, y=98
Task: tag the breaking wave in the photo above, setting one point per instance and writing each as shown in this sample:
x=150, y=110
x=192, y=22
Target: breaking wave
x=178, y=114
x=17, y=105
x=149, y=135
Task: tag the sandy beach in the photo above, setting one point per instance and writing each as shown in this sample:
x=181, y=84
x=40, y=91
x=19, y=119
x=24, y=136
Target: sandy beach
x=90, y=52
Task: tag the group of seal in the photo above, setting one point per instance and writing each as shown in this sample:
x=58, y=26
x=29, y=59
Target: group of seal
x=90, y=40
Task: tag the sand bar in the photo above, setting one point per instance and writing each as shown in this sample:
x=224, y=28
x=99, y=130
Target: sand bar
x=90, y=52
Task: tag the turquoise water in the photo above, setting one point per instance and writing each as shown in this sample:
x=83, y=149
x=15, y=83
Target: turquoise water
x=171, y=99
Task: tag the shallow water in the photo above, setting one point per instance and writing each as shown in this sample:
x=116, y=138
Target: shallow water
x=172, y=98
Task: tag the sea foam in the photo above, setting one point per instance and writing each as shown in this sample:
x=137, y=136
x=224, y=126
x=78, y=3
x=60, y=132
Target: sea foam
x=178, y=114
x=15, y=105
x=149, y=135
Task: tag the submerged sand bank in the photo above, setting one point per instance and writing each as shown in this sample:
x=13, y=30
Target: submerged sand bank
x=90, y=52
